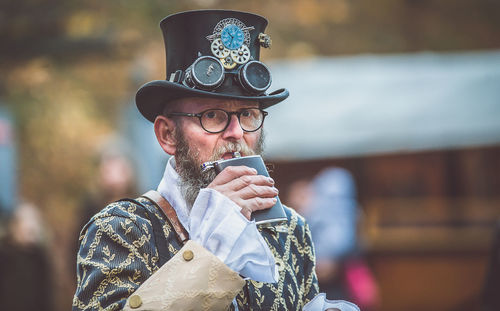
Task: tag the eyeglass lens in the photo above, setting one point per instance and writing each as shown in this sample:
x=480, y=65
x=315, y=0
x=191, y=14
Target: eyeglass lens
x=216, y=120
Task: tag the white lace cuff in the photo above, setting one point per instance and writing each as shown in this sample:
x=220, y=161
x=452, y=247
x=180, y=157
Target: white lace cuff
x=320, y=303
x=217, y=224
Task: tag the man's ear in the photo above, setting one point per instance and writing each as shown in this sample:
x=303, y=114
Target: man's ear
x=164, y=130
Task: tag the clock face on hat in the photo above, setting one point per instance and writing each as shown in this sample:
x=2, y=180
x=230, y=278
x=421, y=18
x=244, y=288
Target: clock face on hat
x=232, y=37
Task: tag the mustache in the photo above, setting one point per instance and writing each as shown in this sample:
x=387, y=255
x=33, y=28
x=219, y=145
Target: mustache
x=231, y=147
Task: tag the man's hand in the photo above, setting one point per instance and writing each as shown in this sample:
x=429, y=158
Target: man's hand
x=244, y=187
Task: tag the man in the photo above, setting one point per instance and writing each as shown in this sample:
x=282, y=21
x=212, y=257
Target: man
x=134, y=257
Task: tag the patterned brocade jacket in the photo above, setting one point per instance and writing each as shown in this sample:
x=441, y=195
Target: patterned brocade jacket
x=118, y=252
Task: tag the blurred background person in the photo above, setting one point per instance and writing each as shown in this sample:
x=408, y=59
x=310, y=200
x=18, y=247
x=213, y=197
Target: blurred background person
x=115, y=178
x=25, y=282
x=299, y=195
x=333, y=215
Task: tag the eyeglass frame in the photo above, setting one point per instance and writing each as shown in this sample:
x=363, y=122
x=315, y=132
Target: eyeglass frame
x=229, y=117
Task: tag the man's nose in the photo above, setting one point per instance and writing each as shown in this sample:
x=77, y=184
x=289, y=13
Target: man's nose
x=234, y=129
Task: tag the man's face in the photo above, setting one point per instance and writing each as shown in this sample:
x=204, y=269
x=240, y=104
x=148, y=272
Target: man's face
x=195, y=146
x=209, y=146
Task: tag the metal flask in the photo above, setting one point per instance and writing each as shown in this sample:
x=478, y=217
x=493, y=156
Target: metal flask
x=275, y=214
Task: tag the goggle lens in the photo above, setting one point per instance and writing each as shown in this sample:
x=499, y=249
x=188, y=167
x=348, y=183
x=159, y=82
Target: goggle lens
x=255, y=76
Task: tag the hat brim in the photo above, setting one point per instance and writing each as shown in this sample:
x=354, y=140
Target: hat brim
x=152, y=96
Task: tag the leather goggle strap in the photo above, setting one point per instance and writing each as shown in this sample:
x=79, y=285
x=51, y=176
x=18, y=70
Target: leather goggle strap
x=168, y=210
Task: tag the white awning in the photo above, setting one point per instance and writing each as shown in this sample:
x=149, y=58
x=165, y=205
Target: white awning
x=351, y=106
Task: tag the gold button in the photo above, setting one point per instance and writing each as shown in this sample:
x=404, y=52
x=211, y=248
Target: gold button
x=188, y=255
x=135, y=301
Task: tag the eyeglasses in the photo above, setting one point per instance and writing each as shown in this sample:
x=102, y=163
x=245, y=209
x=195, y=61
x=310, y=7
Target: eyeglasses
x=217, y=120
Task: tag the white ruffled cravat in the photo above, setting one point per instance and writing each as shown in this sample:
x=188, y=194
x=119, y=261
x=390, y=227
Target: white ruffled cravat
x=216, y=223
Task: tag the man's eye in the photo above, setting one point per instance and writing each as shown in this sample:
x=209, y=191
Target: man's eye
x=210, y=114
x=246, y=113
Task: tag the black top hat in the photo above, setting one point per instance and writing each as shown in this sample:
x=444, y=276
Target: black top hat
x=211, y=53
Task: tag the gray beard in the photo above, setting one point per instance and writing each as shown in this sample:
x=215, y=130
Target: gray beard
x=188, y=165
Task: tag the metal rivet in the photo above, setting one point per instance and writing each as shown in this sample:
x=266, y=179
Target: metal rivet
x=135, y=301
x=188, y=255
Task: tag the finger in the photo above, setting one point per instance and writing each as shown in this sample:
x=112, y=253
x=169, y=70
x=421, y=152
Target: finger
x=252, y=191
x=256, y=204
x=232, y=172
x=246, y=180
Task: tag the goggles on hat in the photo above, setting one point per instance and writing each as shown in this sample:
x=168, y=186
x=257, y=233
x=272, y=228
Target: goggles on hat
x=208, y=73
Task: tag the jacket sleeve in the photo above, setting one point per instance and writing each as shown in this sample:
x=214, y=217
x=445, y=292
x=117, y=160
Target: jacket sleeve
x=194, y=279
x=114, y=258
x=117, y=258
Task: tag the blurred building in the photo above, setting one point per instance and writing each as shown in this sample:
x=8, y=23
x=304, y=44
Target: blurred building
x=421, y=135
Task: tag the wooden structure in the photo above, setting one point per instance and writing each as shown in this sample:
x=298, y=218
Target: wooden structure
x=428, y=221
